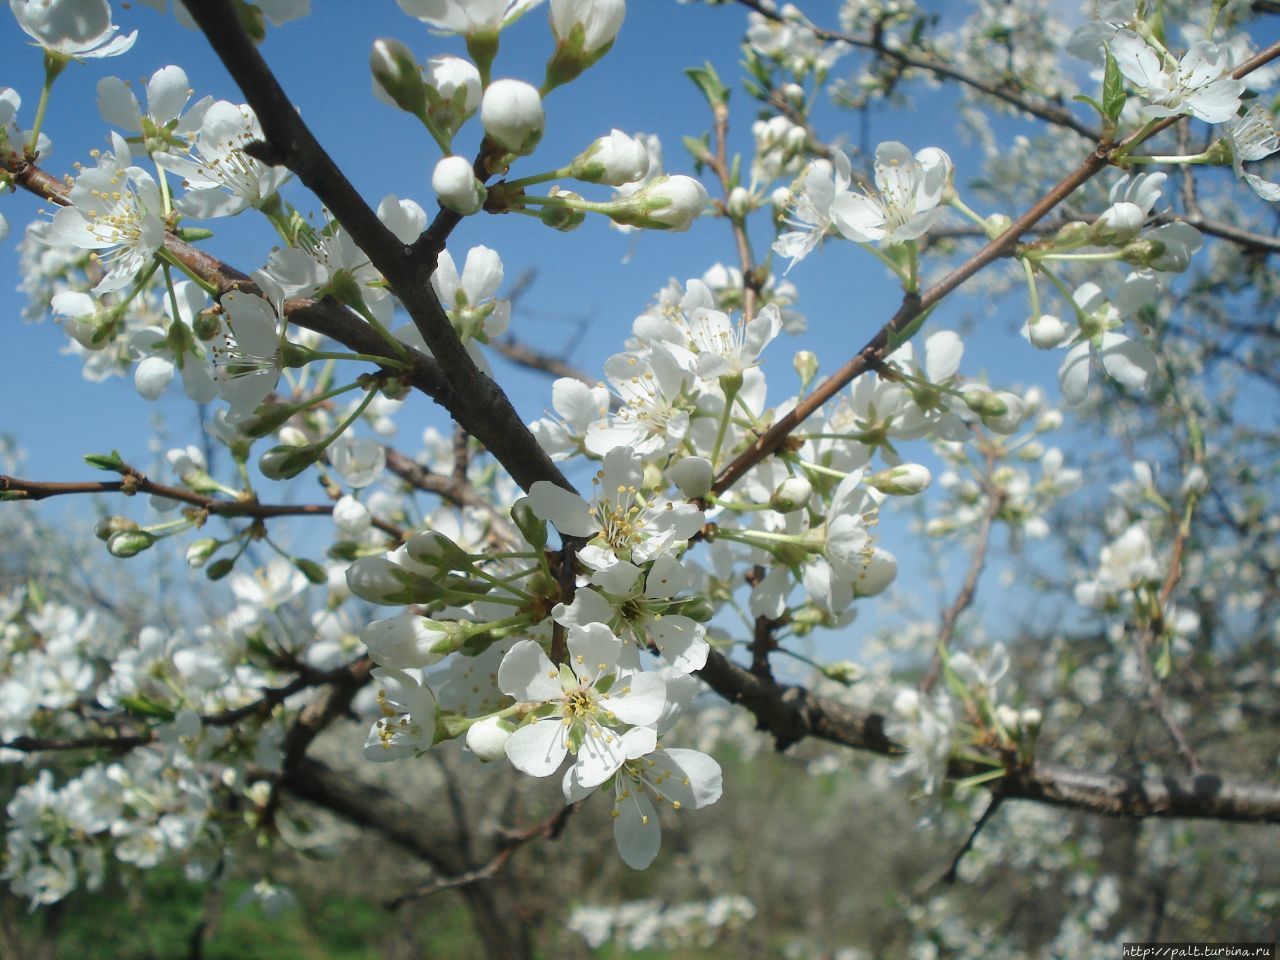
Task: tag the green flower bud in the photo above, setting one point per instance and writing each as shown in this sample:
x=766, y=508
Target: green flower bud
x=791, y=495
x=284, y=462
x=532, y=527
x=806, y=365
x=200, y=551
x=311, y=570
x=219, y=568
x=108, y=527
x=130, y=543
x=845, y=672
x=397, y=74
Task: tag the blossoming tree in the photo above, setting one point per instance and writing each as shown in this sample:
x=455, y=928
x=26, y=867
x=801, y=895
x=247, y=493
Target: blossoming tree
x=577, y=630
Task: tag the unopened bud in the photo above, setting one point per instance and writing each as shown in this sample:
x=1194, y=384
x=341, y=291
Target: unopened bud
x=1118, y=224
x=512, y=114
x=1030, y=719
x=693, y=476
x=1007, y=717
x=1069, y=235
x=844, y=672
x=410, y=641
x=456, y=186
x=561, y=218
x=531, y=526
x=108, y=527
x=791, y=494
x=283, y=462
x=265, y=420
x=200, y=551
x=206, y=325
x=219, y=568
x=613, y=160
x=1008, y=420
x=397, y=75
x=487, y=738
x=905, y=480
x=739, y=203
x=805, y=363
x=311, y=570
x=998, y=223
x=1046, y=331
x=130, y=543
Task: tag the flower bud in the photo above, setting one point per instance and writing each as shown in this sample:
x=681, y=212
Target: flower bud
x=684, y=200
x=1030, y=720
x=560, y=218
x=453, y=92
x=487, y=738
x=701, y=609
x=905, y=480
x=266, y=419
x=456, y=186
x=805, y=363
x=311, y=570
x=511, y=112
x=284, y=461
x=1008, y=717
x=1049, y=420
x=844, y=672
x=108, y=527
x=200, y=551
x=397, y=77
x=613, y=160
x=791, y=494
x=130, y=543
x=351, y=516
x=409, y=641
x=531, y=526
x=585, y=30
x=1073, y=234
x=1118, y=224
x=693, y=476
x=219, y=568
x=206, y=325
x=432, y=549
x=1046, y=331
x=739, y=203
x=378, y=580
x=998, y=223
x=1009, y=419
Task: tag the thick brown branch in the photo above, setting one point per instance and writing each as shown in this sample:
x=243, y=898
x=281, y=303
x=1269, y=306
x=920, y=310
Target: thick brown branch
x=472, y=399
x=791, y=713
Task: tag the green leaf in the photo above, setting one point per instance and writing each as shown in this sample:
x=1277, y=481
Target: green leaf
x=1112, y=89
x=107, y=461
x=708, y=81
x=1084, y=98
x=146, y=707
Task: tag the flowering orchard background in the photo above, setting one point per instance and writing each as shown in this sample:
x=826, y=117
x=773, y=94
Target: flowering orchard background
x=864, y=449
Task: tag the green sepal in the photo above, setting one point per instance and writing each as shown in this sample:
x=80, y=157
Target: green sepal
x=1112, y=89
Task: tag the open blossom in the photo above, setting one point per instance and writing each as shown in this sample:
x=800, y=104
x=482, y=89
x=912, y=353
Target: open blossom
x=220, y=178
x=79, y=29
x=588, y=702
x=619, y=523
x=164, y=123
x=114, y=207
x=810, y=211
x=1200, y=84
x=1130, y=362
x=1254, y=137
x=909, y=189
x=467, y=16
x=684, y=779
x=247, y=353
x=408, y=722
x=653, y=416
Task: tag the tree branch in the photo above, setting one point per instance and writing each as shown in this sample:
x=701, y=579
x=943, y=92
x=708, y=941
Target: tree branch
x=472, y=399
